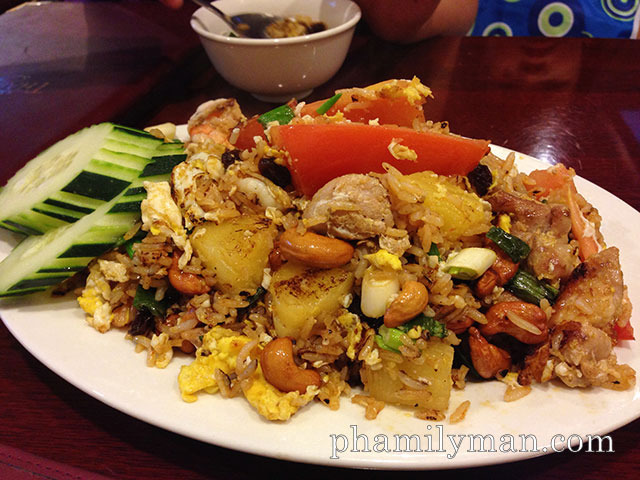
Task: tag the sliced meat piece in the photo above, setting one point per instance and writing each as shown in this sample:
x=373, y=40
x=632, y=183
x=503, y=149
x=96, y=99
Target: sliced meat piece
x=583, y=356
x=352, y=207
x=545, y=227
x=594, y=293
x=551, y=258
x=535, y=366
x=531, y=215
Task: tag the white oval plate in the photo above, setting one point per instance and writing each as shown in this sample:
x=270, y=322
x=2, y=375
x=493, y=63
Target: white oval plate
x=55, y=332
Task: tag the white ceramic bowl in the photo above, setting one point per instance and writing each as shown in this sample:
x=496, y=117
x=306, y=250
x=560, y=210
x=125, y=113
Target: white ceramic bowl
x=277, y=70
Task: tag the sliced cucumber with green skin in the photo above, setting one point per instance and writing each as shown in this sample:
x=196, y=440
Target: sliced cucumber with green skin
x=42, y=261
x=74, y=177
x=168, y=156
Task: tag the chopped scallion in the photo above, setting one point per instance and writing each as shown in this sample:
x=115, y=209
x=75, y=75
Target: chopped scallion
x=390, y=338
x=470, y=263
x=146, y=299
x=282, y=114
x=429, y=324
x=516, y=248
x=528, y=288
x=434, y=251
x=326, y=106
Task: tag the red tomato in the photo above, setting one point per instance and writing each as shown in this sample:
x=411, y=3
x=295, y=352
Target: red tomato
x=553, y=178
x=251, y=128
x=624, y=333
x=388, y=111
x=320, y=153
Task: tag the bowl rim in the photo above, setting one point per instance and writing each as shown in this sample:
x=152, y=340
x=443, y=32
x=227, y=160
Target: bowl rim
x=198, y=27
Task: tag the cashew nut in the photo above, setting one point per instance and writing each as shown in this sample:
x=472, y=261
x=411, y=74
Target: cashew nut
x=524, y=321
x=460, y=324
x=486, y=283
x=315, y=250
x=281, y=371
x=488, y=360
x=409, y=303
x=187, y=283
x=502, y=270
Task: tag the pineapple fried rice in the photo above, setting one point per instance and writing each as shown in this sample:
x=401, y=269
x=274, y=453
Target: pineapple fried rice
x=290, y=281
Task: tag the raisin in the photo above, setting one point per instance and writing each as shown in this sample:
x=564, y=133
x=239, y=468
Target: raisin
x=230, y=157
x=480, y=179
x=278, y=174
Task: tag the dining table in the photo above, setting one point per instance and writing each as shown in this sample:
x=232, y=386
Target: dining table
x=574, y=101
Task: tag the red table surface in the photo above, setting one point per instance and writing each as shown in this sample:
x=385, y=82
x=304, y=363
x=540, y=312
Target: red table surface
x=575, y=101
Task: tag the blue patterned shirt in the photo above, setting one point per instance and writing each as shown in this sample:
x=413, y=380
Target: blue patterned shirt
x=558, y=18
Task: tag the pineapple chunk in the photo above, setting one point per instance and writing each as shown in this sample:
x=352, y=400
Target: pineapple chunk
x=463, y=213
x=299, y=293
x=433, y=376
x=237, y=250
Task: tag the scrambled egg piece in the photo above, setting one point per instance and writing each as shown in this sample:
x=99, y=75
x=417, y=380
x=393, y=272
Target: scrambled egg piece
x=414, y=91
x=206, y=164
x=160, y=214
x=383, y=259
x=163, y=350
x=95, y=300
x=504, y=222
x=401, y=152
x=223, y=346
x=352, y=324
x=273, y=404
x=114, y=271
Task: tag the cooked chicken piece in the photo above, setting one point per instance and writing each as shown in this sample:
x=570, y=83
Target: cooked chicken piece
x=545, y=227
x=580, y=350
x=215, y=120
x=352, y=207
x=582, y=356
x=594, y=293
x=533, y=215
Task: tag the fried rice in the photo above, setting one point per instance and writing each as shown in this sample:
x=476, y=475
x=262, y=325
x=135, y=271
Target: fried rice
x=194, y=282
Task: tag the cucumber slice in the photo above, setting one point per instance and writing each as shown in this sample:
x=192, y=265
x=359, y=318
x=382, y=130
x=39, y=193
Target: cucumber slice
x=74, y=177
x=42, y=261
x=159, y=169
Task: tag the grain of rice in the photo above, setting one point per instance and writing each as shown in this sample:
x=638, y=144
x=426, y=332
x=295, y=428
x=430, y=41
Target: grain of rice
x=460, y=412
x=430, y=414
x=372, y=406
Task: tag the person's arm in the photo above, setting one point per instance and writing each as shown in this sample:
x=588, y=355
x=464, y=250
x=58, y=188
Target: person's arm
x=405, y=21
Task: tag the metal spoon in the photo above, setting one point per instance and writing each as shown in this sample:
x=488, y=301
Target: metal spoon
x=250, y=25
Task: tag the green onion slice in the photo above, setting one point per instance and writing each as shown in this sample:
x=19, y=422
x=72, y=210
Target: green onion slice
x=389, y=338
x=434, y=251
x=528, y=288
x=147, y=299
x=324, y=108
x=516, y=248
x=282, y=114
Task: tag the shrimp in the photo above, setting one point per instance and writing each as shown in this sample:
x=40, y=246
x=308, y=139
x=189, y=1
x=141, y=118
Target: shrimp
x=215, y=120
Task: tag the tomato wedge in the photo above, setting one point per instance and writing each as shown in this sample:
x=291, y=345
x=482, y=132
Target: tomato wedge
x=388, y=111
x=251, y=128
x=319, y=153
